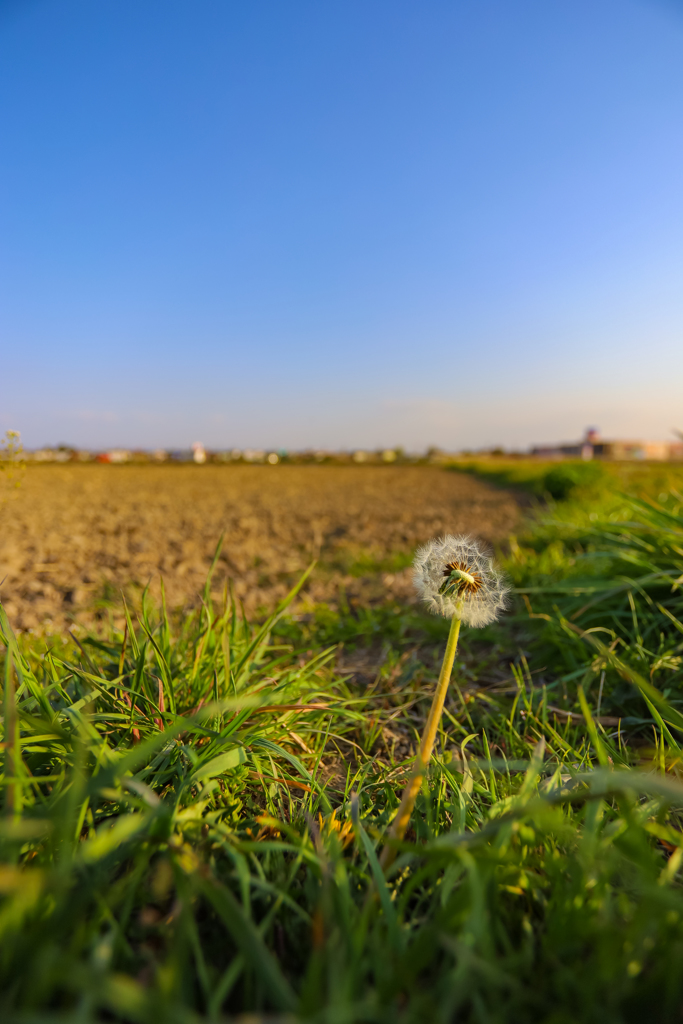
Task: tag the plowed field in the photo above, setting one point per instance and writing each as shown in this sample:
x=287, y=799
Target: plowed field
x=73, y=535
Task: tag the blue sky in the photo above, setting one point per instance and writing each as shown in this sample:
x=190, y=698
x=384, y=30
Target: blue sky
x=357, y=223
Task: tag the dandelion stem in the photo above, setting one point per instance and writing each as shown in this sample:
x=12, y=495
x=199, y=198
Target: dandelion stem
x=400, y=822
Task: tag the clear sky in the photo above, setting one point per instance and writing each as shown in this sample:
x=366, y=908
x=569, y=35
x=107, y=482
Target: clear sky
x=298, y=223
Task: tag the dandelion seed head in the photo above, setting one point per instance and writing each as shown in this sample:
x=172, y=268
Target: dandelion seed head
x=457, y=576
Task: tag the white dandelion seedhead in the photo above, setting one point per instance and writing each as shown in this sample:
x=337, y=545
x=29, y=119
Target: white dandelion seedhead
x=457, y=576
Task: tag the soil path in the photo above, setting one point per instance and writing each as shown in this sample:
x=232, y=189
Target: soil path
x=75, y=535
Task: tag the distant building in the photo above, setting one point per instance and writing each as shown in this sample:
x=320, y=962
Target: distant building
x=594, y=447
x=50, y=455
x=116, y=455
x=198, y=453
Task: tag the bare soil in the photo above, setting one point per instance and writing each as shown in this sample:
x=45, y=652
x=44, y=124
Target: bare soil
x=72, y=536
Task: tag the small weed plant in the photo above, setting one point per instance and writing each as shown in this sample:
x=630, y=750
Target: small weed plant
x=195, y=807
x=12, y=465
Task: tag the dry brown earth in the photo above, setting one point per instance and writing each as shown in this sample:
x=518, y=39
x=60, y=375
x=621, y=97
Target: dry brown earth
x=73, y=534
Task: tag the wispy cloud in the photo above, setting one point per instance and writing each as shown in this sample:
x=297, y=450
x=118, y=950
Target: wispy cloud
x=87, y=416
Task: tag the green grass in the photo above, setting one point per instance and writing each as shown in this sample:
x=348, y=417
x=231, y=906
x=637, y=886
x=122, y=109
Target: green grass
x=193, y=807
x=546, y=480
x=577, y=480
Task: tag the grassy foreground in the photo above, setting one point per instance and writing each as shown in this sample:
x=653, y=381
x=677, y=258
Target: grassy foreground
x=193, y=808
